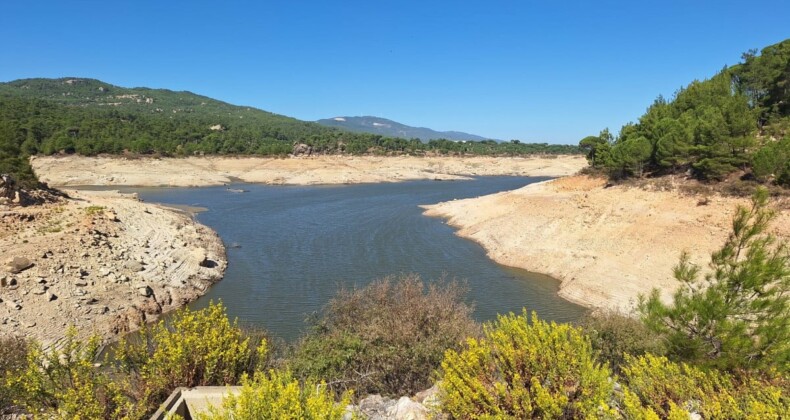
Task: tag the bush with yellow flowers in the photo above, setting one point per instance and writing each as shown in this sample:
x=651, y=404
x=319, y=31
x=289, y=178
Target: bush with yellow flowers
x=193, y=348
x=523, y=369
x=277, y=395
x=660, y=388
x=65, y=383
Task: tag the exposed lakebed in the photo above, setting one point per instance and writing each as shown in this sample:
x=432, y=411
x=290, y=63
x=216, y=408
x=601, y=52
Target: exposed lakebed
x=290, y=248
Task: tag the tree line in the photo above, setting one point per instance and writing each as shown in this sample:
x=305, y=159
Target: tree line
x=735, y=122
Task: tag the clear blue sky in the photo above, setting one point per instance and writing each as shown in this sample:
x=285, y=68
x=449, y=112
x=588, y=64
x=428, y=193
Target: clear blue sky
x=535, y=71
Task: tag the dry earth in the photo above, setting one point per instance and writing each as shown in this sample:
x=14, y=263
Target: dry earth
x=606, y=245
x=203, y=171
x=101, y=261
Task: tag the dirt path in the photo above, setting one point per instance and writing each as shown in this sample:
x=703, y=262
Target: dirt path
x=606, y=245
x=102, y=262
x=203, y=171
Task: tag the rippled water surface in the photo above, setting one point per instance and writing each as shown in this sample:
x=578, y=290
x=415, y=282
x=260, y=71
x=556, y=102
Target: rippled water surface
x=297, y=245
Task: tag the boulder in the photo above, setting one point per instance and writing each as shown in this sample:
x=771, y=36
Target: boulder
x=134, y=266
x=302, y=149
x=18, y=264
x=406, y=409
x=7, y=186
x=145, y=291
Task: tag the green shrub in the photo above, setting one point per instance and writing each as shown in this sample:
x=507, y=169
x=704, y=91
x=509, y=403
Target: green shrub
x=738, y=317
x=277, y=395
x=386, y=338
x=525, y=370
x=613, y=335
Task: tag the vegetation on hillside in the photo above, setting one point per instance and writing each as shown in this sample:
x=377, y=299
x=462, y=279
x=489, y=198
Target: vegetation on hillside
x=736, y=122
x=90, y=117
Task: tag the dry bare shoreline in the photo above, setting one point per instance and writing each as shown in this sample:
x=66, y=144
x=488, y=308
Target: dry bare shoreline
x=206, y=171
x=102, y=262
x=605, y=245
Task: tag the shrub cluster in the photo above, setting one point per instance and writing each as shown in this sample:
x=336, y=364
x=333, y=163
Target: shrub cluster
x=385, y=338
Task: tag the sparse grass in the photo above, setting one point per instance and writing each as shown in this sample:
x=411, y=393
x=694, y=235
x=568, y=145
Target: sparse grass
x=94, y=210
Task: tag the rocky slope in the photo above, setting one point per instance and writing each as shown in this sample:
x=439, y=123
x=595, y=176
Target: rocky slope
x=102, y=262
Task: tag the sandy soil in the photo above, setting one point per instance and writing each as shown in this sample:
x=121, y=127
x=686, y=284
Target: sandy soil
x=203, y=171
x=103, y=262
x=606, y=245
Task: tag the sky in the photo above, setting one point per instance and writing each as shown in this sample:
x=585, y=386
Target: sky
x=548, y=71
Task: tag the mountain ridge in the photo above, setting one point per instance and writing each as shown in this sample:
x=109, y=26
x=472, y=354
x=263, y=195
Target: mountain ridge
x=386, y=127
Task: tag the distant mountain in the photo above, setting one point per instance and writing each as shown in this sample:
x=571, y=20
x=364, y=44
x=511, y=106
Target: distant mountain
x=389, y=128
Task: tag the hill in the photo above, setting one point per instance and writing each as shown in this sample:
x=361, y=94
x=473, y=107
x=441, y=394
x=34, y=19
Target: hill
x=389, y=128
x=91, y=117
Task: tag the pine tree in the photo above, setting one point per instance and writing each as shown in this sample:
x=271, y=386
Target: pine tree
x=739, y=315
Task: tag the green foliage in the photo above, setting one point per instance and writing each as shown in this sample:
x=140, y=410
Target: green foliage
x=275, y=395
x=656, y=387
x=64, y=383
x=385, y=338
x=614, y=335
x=709, y=127
x=194, y=348
x=772, y=161
x=739, y=316
x=525, y=370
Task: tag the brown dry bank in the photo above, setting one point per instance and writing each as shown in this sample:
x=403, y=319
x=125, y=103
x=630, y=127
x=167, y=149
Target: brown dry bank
x=204, y=171
x=606, y=245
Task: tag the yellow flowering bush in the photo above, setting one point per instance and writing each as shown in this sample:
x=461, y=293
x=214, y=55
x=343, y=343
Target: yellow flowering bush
x=277, y=395
x=193, y=348
x=525, y=370
x=65, y=383
x=665, y=388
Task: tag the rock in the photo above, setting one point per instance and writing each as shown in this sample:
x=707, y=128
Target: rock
x=134, y=266
x=302, y=149
x=429, y=398
x=375, y=406
x=81, y=283
x=111, y=216
x=40, y=290
x=51, y=297
x=18, y=264
x=13, y=305
x=145, y=291
x=30, y=324
x=406, y=409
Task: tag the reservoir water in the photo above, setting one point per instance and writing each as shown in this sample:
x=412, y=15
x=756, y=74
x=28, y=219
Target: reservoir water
x=290, y=248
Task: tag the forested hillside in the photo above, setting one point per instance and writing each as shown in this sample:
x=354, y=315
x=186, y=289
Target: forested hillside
x=737, y=122
x=90, y=117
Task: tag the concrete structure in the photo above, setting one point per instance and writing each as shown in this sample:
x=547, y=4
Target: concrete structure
x=188, y=402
